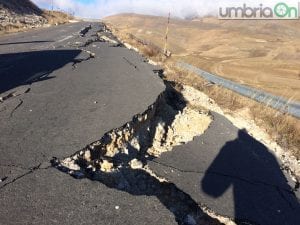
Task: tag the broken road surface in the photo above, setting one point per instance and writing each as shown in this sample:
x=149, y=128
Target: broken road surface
x=67, y=108
x=73, y=102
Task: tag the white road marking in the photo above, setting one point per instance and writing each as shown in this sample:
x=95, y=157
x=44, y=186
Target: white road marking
x=64, y=39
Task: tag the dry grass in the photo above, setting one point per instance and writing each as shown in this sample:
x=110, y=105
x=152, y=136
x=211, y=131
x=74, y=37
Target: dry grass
x=147, y=48
x=283, y=129
x=11, y=28
x=265, y=51
x=56, y=17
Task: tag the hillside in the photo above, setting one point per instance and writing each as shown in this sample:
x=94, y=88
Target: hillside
x=262, y=54
x=21, y=7
x=17, y=15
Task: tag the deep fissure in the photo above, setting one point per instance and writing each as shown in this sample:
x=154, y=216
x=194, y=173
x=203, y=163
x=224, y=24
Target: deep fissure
x=119, y=159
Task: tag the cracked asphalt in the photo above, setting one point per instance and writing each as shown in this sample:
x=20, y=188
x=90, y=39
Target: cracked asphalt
x=66, y=109
x=60, y=91
x=229, y=172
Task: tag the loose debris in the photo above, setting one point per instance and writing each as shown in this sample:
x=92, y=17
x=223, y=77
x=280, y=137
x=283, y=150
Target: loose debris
x=119, y=159
x=77, y=61
x=85, y=30
x=91, y=54
x=166, y=124
x=107, y=39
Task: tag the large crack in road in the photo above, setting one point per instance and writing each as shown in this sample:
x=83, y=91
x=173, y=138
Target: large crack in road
x=17, y=94
x=119, y=159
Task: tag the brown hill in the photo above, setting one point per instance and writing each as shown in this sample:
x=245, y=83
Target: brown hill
x=263, y=54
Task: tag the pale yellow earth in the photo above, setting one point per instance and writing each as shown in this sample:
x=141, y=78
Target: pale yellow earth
x=263, y=54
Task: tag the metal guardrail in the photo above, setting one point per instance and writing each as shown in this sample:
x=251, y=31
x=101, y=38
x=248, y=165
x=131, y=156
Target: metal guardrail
x=279, y=103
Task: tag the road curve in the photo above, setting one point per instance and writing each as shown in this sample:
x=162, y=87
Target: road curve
x=276, y=102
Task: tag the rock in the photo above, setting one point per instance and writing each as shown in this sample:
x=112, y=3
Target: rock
x=106, y=166
x=136, y=164
x=87, y=156
x=92, y=55
x=3, y=179
x=22, y=19
x=70, y=164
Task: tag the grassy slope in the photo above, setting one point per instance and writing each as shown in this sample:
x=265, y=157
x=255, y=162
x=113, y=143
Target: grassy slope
x=263, y=54
x=56, y=17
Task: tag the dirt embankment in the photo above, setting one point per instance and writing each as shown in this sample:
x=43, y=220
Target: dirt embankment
x=18, y=15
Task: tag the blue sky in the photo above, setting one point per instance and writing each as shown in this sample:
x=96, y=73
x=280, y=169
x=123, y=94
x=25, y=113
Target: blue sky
x=178, y=8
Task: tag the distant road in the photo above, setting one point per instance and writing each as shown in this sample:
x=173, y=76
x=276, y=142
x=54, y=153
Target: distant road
x=276, y=102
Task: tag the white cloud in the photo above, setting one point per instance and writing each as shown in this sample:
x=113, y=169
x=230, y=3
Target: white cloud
x=178, y=8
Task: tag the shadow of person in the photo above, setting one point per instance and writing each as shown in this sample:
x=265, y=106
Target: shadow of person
x=22, y=68
x=261, y=193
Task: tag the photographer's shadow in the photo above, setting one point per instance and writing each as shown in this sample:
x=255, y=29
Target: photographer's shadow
x=261, y=193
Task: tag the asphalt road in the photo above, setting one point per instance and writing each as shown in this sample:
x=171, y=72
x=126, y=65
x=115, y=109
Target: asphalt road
x=57, y=99
x=65, y=109
x=228, y=171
